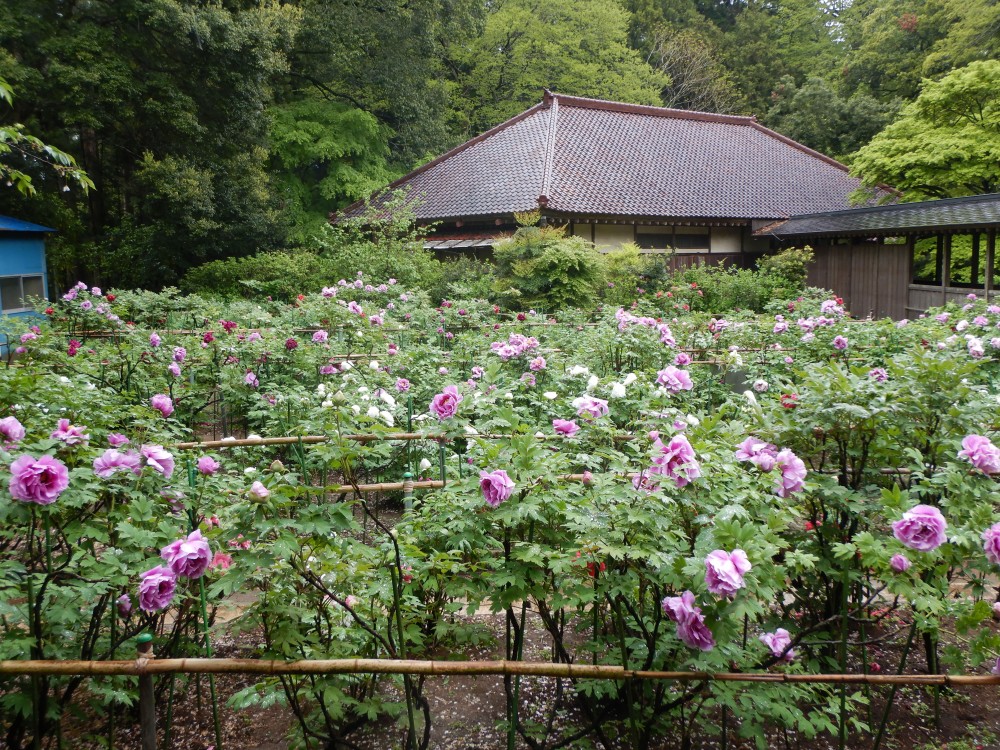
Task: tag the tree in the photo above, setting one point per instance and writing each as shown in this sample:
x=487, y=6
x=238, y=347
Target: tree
x=818, y=116
x=325, y=154
x=22, y=153
x=946, y=143
x=698, y=80
x=576, y=47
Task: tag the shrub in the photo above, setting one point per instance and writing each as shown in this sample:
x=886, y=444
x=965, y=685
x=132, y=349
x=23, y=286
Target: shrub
x=543, y=267
x=789, y=267
x=280, y=275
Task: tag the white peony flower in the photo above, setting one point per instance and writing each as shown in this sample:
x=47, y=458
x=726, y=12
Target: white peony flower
x=592, y=382
x=550, y=395
x=617, y=390
x=629, y=379
x=424, y=465
x=578, y=370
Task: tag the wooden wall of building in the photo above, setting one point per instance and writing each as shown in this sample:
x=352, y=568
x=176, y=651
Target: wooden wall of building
x=872, y=278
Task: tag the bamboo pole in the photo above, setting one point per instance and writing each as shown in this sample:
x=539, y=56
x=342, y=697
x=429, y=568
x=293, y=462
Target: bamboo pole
x=143, y=666
x=367, y=438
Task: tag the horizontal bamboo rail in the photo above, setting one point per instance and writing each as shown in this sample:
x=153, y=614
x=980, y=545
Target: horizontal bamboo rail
x=367, y=438
x=148, y=666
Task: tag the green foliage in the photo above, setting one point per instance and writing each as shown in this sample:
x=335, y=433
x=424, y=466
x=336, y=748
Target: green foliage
x=626, y=270
x=571, y=47
x=790, y=266
x=279, y=275
x=21, y=153
x=326, y=154
x=542, y=267
x=816, y=115
x=944, y=144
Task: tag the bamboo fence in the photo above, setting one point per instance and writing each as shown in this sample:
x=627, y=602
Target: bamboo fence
x=145, y=664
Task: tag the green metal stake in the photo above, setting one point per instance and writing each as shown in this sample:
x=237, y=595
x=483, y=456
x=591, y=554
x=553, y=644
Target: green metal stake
x=441, y=460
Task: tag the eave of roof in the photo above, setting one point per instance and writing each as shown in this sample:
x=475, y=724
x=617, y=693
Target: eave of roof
x=10, y=225
x=945, y=215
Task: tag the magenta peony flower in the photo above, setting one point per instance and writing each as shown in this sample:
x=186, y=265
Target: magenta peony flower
x=291, y=344
x=38, y=481
x=496, y=486
x=674, y=380
x=154, y=339
x=445, y=405
x=208, y=465
x=762, y=455
x=565, y=427
x=878, y=374
x=69, y=434
x=117, y=440
x=188, y=557
x=251, y=379
x=839, y=343
x=921, y=528
x=676, y=460
x=156, y=589
x=981, y=453
x=682, y=359
x=991, y=543
x=900, y=563
x=778, y=642
x=691, y=627
x=124, y=603
x=793, y=473
x=180, y=354
x=112, y=461
x=590, y=407
x=158, y=459
x=724, y=571
x=162, y=403
x=11, y=429
x=174, y=369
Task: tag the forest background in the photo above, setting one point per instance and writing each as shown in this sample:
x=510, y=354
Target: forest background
x=223, y=129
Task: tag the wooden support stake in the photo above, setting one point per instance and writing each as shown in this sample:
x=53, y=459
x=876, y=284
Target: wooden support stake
x=147, y=700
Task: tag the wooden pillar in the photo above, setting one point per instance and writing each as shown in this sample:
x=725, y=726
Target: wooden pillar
x=944, y=243
x=991, y=259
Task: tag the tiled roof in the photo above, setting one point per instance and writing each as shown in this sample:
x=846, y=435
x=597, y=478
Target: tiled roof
x=12, y=225
x=973, y=212
x=587, y=157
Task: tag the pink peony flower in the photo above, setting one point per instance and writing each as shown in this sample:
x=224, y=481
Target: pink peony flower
x=590, y=407
x=839, y=343
x=251, y=380
x=11, y=430
x=991, y=543
x=691, y=628
x=778, y=642
x=496, y=486
x=174, y=369
x=981, y=453
x=996, y=667
x=878, y=374
x=180, y=354
x=188, y=557
x=565, y=427
x=208, y=465
x=257, y=489
x=124, y=603
x=158, y=459
x=445, y=405
x=537, y=364
x=162, y=403
x=793, y=473
x=724, y=571
x=676, y=460
x=156, y=589
x=900, y=563
x=402, y=385
x=117, y=440
x=682, y=359
x=320, y=337
x=154, y=339
x=921, y=528
x=69, y=434
x=762, y=455
x=112, y=461
x=674, y=380
x=221, y=560
x=38, y=481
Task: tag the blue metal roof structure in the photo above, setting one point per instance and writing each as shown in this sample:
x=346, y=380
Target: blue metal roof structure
x=12, y=225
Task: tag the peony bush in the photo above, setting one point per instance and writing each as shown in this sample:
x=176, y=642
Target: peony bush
x=645, y=485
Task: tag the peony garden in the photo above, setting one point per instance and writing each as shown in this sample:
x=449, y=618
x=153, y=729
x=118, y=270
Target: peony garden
x=366, y=473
